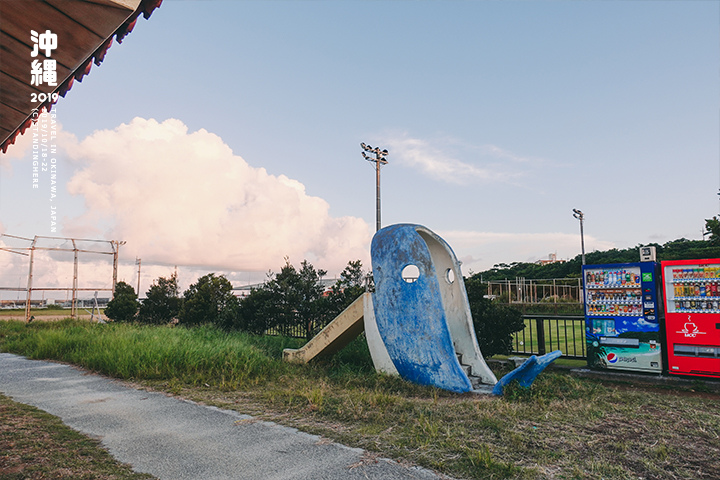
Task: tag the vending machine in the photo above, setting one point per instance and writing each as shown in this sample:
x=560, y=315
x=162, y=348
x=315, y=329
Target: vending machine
x=692, y=316
x=622, y=316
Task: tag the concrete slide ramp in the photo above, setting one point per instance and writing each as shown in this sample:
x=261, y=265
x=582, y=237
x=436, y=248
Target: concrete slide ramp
x=334, y=337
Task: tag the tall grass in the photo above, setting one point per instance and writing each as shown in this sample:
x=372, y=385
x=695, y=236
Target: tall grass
x=197, y=356
x=562, y=427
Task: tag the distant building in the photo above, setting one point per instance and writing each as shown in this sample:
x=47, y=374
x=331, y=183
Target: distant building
x=20, y=303
x=243, y=291
x=552, y=258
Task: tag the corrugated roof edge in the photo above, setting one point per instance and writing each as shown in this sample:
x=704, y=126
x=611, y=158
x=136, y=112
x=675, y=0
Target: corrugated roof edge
x=146, y=8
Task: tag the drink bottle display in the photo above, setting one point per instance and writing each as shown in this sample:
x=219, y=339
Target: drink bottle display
x=693, y=290
x=619, y=289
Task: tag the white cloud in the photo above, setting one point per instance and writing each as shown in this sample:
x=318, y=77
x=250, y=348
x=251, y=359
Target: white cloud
x=184, y=198
x=435, y=163
x=21, y=150
x=498, y=152
x=437, y=160
x=479, y=251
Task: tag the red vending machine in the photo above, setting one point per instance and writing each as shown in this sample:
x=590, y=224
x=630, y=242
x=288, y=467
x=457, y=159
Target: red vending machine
x=692, y=316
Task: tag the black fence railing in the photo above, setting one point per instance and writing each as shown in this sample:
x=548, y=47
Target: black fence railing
x=294, y=331
x=542, y=334
x=546, y=333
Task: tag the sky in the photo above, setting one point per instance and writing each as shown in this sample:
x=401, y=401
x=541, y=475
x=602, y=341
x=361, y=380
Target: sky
x=224, y=136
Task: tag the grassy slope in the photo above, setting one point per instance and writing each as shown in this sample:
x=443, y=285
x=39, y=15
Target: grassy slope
x=563, y=427
x=35, y=444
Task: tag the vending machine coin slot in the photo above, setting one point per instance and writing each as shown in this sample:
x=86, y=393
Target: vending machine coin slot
x=685, y=350
x=620, y=342
x=709, y=352
x=696, y=351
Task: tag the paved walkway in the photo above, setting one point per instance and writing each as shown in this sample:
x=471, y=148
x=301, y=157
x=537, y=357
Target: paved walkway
x=176, y=439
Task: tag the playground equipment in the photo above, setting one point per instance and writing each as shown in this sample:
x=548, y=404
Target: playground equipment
x=417, y=322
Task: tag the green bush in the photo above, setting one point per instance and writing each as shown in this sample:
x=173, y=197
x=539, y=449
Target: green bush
x=124, y=305
x=494, y=323
x=294, y=300
x=205, y=299
x=162, y=302
x=251, y=314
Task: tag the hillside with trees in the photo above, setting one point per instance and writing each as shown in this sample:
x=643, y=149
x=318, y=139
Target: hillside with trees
x=681, y=249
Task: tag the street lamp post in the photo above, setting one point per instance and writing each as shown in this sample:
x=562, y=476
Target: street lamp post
x=580, y=216
x=378, y=160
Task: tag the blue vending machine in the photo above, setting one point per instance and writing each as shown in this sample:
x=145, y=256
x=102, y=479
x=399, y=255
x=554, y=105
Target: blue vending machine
x=622, y=316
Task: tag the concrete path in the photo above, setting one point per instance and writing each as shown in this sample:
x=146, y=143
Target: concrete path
x=175, y=439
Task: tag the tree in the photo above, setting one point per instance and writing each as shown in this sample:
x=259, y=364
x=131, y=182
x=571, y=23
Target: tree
x=712, y=226
x=204, y=300
x=162, y=301
x=680, y=249
x=295, y=297
x=124, y=304
x=287, y=300
x=494, y=323
x=251, y=314
x=346, y=290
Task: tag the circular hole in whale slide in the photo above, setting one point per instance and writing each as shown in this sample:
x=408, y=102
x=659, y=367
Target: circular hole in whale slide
x=449, y=276
x=410, y=273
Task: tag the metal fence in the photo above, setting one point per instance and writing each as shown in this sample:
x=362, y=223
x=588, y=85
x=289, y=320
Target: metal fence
x=546, y=333
x=542, y=334
x=294, y=331
x=546, y=291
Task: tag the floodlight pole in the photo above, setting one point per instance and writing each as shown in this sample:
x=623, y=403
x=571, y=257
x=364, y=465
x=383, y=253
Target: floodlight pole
x=378, y=160
x=580, y=216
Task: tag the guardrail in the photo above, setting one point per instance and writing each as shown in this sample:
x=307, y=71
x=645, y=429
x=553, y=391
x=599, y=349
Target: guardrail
x=546, y=333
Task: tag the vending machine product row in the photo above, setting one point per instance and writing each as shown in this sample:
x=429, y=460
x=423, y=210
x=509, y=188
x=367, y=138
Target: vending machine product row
x=622, y=316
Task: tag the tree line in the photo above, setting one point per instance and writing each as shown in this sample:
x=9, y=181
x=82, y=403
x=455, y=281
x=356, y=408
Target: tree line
x=291, y=300
x=681, y=249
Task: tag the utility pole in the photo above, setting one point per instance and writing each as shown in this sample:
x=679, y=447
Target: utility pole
x=30, y=279
x=116, y=254
x=73, y=310
x=138, y=261
x=379, y=160
x=580, y=216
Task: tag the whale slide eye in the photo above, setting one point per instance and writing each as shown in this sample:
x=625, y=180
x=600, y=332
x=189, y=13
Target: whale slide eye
x=410, y=273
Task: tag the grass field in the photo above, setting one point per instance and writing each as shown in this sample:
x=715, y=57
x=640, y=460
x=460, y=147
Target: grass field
x=48, y=314
x=565, y=335
x=563, y=427
x=38, y=312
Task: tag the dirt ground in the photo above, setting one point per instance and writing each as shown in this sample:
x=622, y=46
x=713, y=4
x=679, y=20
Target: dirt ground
x=46, y=318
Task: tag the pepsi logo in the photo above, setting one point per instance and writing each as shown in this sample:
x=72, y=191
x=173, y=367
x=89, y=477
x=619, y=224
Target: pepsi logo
x=612, y=358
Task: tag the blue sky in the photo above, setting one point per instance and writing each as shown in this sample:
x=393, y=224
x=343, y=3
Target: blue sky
x=500, y=118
